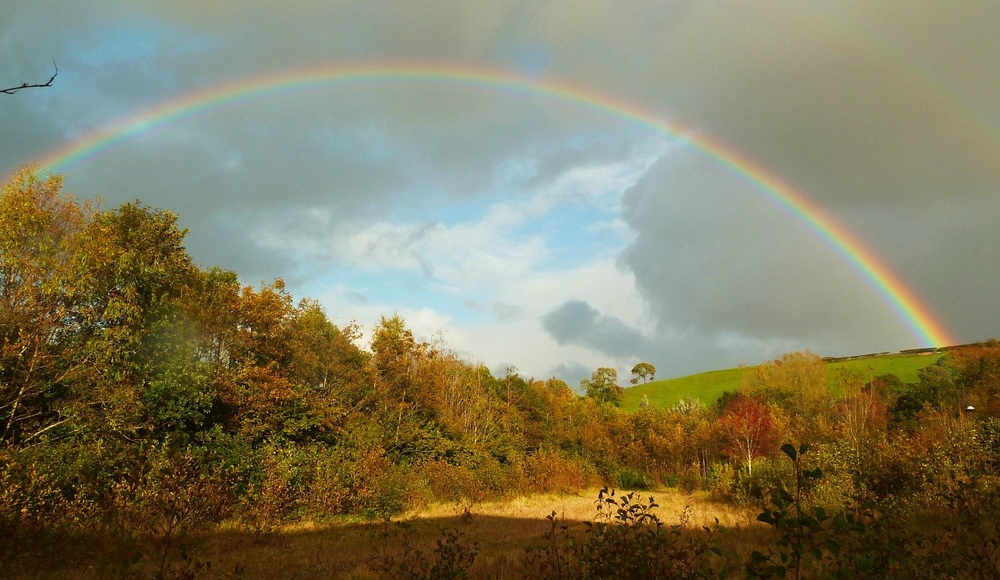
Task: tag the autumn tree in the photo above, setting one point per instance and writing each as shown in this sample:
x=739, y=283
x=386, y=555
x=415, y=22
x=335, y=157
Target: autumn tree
x=602, y=386
x=643, y=370
x=749, y=427
x=470, y=401
x=935, y=387
x=393, y=365
x=977, y=370
x=797, y=383
x=132, y=270
x=40, y=229
x=861, y=412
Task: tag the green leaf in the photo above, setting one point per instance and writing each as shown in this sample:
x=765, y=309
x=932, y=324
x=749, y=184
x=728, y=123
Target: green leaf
x=789, y=450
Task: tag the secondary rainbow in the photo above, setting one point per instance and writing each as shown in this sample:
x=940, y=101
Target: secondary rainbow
x=908, y=308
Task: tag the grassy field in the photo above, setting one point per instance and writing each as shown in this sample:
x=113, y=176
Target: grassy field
x=503, y=530
x=708, y=386
x=665, y=393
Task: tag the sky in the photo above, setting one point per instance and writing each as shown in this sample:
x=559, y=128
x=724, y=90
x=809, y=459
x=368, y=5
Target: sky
x=528, y=220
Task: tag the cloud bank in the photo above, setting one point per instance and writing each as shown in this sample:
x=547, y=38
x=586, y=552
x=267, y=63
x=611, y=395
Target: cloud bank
x=540, y=233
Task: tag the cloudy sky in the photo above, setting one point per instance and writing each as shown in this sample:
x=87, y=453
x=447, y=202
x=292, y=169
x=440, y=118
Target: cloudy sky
x=533, y=230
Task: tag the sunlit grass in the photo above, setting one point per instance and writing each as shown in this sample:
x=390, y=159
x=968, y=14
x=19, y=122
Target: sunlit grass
x=503, y=530
x=708, y=386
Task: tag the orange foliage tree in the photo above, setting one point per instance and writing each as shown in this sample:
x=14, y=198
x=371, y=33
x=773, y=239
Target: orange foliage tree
x=749, y=427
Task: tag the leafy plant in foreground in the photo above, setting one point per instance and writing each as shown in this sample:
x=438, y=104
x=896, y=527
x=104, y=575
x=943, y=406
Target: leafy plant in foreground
x=450, y=559
x=627, y=540
x=803, y=535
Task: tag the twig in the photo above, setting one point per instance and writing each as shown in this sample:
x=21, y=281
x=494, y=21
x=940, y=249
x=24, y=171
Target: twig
x=12, y=90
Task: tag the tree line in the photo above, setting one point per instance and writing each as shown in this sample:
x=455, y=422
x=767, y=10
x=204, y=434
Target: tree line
x=142, y=393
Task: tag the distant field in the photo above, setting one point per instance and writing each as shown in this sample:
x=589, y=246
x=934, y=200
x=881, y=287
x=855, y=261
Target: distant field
x=708, y=386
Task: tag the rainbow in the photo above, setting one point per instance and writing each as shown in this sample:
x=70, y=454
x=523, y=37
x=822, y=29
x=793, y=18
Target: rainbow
x=907, y=307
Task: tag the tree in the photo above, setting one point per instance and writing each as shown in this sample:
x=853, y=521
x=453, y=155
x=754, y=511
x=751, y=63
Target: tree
x=796, y=382
x=40, y=229
x=643, y=370
x=860, y=413
x=750, y=428
x=48, y=83
x=602, y=386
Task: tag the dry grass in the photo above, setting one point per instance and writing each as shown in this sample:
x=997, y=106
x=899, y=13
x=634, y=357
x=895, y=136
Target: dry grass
x=502, y=529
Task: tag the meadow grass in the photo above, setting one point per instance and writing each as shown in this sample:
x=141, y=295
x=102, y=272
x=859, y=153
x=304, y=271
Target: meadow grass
x=904, y=366
x=708, y=386
x=502, y=529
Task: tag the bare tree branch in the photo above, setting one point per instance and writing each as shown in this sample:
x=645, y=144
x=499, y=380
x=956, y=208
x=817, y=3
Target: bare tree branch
x=48, y=83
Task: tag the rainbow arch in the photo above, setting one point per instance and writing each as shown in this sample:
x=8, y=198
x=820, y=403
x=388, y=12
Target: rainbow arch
x=905, y=304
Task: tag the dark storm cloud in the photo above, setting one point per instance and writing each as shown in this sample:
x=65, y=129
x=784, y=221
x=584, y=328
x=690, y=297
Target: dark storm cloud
x=674, y=353
x=947, y=253
x=571, y=373
x=847, y=113
x=576, y=322
x=713, y=256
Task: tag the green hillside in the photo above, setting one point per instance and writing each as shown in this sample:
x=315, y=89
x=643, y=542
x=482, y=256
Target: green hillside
x=709, y=385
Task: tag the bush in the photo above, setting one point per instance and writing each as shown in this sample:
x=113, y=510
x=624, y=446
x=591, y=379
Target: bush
x=548, y=471
x=721, y=481
x=768, y=476
x=59, y=488
x=691, y=479
x=632, y=479
x=448, y=482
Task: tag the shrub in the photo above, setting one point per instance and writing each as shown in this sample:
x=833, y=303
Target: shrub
x=721, y=480
x=270, y=494
x=548, y=471
x=172, y=494
x=768, y=476
x=691, y=479
x=448, y=482
x=629, y=478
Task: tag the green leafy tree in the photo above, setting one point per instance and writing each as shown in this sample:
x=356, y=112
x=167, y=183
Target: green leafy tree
x=797, y=383
x=131, y=271
x=602, y=386
x=935, y=388
x=643, y=371
x=396, y=356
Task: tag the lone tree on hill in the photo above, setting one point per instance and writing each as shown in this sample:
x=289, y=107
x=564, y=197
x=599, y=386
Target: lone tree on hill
x=48, y=83
x=643, y=370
